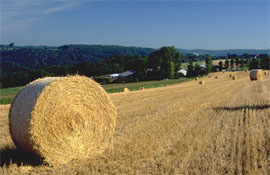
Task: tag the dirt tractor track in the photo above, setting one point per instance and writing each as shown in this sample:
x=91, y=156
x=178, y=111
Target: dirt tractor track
x=221, y=127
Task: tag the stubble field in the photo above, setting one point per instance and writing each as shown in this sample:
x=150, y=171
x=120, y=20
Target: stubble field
x=222, y=127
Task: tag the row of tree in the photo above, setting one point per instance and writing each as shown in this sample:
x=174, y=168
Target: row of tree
x=28, y=58
x=160, y=64
x=255, y=63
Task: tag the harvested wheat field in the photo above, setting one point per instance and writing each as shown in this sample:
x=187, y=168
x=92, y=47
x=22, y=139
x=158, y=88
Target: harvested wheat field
x=222, y=127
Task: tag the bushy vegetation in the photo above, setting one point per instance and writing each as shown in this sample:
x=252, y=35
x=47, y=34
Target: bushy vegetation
x=169, y=62
x=21, y=65
x=15, y=59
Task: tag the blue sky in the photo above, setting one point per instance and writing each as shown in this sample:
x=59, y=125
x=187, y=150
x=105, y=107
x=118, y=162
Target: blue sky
x=214, y=24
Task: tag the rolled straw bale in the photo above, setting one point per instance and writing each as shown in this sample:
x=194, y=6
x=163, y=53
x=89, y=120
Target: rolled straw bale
x=196, y=78
x=141, y=88
x=246, y=70
x=230, y=75
x=216, y=77
x=201, y=82
x=209, y=76
x=265, y=73
x=234, y=77
x=125, y=90
x=256, y=74
x=62, y=118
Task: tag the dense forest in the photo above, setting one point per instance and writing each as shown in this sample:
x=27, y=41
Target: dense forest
x=14, y=59
x=223, y=53
x=21, y=65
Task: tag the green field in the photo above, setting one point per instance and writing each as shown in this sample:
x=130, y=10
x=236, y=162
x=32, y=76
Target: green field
x=185, y=65
x=8, y=94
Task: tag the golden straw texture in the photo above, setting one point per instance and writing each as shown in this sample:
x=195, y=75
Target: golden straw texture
x=234, y=77
x=201, y=82
x=256, y=74
x=125, y=90
x=63, y=118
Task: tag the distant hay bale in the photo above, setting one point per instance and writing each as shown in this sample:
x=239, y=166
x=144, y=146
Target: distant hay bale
x=125, y=90
x=141, y=88
x=230, y=75
x=216, y=77
x=246, y=70
x=256, y=74
x=197, y=78
x=62, y=118
x=265, y=73
x=201, y=82
x=209, y=76
x=234, y=77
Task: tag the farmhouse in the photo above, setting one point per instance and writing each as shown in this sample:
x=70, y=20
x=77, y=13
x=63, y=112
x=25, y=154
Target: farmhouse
x=114, y=76
x=127, y=74
x=183, y=72
x=203, y=66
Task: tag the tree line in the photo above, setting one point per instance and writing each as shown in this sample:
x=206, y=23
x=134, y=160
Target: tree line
x=159, y=64
x=14, y=59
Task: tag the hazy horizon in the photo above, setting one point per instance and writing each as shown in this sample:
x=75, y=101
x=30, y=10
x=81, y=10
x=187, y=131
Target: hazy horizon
x=127, y=46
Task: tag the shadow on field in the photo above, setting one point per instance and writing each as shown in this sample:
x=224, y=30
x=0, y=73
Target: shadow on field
x=19, y=157
x=255, y=107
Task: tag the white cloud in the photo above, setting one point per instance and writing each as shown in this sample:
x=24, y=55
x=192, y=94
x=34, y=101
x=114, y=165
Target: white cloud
x=22, y=14
x=68, y=5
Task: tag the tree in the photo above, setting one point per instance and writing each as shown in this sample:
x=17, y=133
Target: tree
x=171, y=71
x=232, y=63
x=248, y=62
x=242, y=62
x=139, y=65
x=237, y=62
x=209, y=64
x=190, y=68
x=227, y=64
x=220, y=64
x=11, y=45
x=164, y=60
x=197, y=70
x=154, y=60
x=254, y=64
x=265, y=61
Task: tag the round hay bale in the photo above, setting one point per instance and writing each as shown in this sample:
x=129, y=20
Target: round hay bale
x=265, y=73
x=234, y=77
x=197, y=78
x=201, y=82
x=141, y=88
x=216, y=77
x=256, y=74
x=246, y=71
x=125, y=90
x=230, y=75
x=62, y=119
x=209, y=76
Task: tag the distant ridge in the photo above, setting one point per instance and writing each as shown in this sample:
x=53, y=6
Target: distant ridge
x=21, y=58
x=224, y=52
